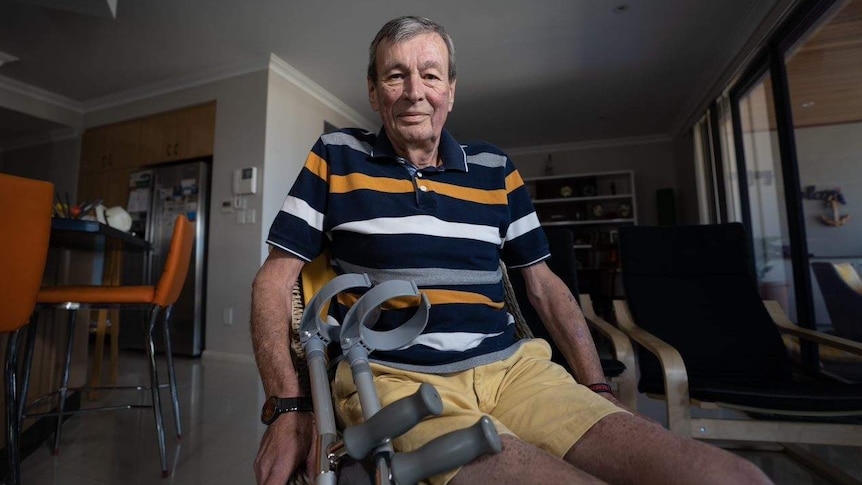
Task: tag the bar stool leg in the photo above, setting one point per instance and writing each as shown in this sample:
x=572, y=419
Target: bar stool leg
x=64, y=384
x=29, y=349
x=154, y=390
x=13, y=459
x=172, y=377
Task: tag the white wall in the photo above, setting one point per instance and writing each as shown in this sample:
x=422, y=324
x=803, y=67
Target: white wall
x=53, y=162
x=294, y=121
x=830, y=157
x=652, y=163
x=40, y=104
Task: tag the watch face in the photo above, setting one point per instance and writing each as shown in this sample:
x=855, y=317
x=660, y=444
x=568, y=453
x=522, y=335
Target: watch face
x=268, y=413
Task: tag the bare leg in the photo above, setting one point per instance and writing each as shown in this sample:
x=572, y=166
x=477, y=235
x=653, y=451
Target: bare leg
x=520, y=463
x=625, y=449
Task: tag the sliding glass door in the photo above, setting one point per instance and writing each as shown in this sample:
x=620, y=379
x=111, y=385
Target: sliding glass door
x=761, y=168
x=824, y=78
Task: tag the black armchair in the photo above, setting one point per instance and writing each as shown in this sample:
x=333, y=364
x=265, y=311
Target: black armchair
x=708, y=340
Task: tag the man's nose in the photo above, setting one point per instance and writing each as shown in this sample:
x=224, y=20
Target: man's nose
x=414, y=88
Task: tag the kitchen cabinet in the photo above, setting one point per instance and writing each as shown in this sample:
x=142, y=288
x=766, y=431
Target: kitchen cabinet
x=110, y=153
x=112, y=186
x=178, y=135
x=111, y=147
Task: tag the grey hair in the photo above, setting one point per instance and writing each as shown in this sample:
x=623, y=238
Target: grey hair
x=405, y=28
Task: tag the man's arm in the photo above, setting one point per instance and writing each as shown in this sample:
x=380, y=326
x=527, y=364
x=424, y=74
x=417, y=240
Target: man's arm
x=562, y=317
x=286, y=444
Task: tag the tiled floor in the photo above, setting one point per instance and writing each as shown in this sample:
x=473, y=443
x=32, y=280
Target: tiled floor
x=221, y=402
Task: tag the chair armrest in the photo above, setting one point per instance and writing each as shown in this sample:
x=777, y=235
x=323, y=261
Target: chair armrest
x=672, y=365
x=786, y=326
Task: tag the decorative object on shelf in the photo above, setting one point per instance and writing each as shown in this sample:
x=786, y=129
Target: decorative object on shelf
x=598, y=211
x=625, y=210
x=566, y=191
x=549, y=165
x=588, y=190
x=832, y=198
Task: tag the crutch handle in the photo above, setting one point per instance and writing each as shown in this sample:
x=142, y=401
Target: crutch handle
x=392, y=421
x=446, y=452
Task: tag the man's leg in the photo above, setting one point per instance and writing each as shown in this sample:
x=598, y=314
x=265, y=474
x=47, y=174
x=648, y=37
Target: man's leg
x=520, y=463
x=626, y=449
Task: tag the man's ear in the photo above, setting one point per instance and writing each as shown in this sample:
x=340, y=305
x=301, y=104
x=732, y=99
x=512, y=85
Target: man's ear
x=452, y=94
x=372, y=95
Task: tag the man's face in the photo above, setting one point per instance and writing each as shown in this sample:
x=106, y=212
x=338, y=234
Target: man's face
x=413, y=94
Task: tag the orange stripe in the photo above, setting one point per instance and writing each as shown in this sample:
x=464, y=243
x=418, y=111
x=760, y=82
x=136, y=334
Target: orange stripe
x=317, y=166
x=340, y=184
x=436, y=297
x=513, y=181
x=469, y=194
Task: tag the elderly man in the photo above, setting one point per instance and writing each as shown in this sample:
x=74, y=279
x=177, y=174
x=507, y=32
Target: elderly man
x=412, y=203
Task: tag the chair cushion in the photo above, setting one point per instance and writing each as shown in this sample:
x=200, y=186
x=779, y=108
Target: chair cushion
x=694, y=288
x=96, y=294
x=804, y=396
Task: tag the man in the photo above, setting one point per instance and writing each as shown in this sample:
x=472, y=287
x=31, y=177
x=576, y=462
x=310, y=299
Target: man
x=411, y=203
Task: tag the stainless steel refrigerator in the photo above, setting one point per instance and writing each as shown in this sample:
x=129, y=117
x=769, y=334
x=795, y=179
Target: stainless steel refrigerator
x=156, y=197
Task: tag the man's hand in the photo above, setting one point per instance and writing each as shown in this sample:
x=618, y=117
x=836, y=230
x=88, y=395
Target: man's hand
x=287, y=443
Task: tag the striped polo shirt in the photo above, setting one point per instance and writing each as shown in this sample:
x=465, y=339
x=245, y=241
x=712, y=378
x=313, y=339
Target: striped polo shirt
x=445, y=228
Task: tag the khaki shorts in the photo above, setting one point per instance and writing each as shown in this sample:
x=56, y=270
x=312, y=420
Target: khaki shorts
x=526, y=396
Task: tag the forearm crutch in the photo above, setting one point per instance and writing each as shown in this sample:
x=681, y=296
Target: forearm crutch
x=358, y=340
x=315, y=335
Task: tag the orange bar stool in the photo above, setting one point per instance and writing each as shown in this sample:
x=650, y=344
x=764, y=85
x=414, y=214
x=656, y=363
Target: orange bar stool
x=26, y=230
x=158, y=299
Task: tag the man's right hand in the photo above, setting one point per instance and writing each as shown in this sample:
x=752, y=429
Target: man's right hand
x=286, y=444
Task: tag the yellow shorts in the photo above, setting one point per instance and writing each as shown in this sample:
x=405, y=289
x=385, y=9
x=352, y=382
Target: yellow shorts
x=526, y=395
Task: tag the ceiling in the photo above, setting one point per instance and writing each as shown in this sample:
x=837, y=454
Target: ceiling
x=530, y=72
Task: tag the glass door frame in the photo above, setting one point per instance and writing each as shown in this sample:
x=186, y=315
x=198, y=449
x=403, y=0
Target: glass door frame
x=771, y=61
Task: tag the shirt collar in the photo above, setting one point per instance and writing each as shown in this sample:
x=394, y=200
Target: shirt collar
x=450, y=151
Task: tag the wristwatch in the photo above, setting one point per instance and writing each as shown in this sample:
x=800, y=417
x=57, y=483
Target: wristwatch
x=276, y=406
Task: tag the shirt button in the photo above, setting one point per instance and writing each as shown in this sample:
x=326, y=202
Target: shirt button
x=419, y=174
x=423, y=188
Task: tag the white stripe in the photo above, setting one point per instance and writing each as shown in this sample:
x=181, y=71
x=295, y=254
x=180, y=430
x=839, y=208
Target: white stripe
x=300, y=208
x=425, y=225
x=451, y=342
x=522, y=226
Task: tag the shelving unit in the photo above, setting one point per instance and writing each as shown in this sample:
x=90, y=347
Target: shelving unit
x=593, y=206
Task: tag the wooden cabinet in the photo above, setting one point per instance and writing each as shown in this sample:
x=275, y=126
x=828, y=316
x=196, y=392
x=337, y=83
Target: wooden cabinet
x=111, y=147
x=112, y=186
x=178, y=135
x=593, y=206
x=110, y=153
